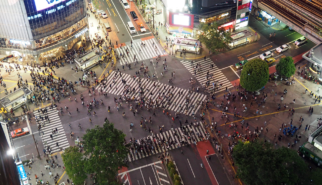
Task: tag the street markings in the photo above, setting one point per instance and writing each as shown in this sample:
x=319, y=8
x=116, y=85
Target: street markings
x=151, y=49
x=162, y=95
x=48, y=127
x=175, y=138
x=215, y=74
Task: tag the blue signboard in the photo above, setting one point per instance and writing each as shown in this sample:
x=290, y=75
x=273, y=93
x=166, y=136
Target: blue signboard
x=22, y=172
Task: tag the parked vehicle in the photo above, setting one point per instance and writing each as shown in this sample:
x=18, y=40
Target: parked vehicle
x=308, y=150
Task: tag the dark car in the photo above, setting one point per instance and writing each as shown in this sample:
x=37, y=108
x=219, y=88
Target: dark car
x=134, y=16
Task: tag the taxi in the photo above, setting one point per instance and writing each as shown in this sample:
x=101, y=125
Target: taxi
x=270, y=60
x=19, y=132
x=240, y=64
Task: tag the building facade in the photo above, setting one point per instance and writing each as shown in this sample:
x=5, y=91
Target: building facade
x=39, y=27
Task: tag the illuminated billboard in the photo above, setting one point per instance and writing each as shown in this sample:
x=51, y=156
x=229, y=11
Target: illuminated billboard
x=44, y=4
x=182, y=20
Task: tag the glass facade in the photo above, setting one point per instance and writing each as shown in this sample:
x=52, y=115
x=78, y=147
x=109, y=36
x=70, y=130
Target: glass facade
x=47, y=17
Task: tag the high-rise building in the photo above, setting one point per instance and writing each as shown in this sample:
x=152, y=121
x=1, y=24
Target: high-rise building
x=8, y=170
x=34, y=29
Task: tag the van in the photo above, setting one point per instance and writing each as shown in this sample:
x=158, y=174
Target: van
x=131, y=27
x=125, y=4
x=133, y=15
x=107, y=26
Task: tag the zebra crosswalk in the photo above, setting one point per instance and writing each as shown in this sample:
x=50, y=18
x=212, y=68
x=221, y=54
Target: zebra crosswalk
x=216, y=78
x=167, y=140
x=58, y=141
x=151, y=49
x=163, y=95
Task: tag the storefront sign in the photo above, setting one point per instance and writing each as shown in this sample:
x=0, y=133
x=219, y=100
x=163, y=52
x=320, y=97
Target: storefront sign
x=250, y=5
x=22, y=172
x=243, y=6
x=224, y=15
x=242, y=20
x=181, y=22
x=81, y=32
x=180, y=29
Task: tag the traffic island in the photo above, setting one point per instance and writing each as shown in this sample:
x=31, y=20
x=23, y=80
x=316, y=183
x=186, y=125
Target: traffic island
x=174, y=172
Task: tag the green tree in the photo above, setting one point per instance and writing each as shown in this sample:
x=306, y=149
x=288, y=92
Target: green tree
x=215, y=39
x=105, y=152
x=74, y=165
x=286, y=67
x=260, y=164
x=254, y=75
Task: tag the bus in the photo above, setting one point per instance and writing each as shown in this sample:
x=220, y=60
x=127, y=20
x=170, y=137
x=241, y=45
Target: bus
x=308, y=150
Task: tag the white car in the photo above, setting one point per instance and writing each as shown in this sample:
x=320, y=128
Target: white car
x=103, y=15
x=267, y=54
x=142, y=28
x=282, y=48
x=300, y=41
x=125, y=4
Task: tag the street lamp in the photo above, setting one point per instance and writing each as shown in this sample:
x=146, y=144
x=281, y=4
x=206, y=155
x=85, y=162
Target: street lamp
x=11, y=151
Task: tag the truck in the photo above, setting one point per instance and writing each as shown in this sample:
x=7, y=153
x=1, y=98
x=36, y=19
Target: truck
x=308, y=150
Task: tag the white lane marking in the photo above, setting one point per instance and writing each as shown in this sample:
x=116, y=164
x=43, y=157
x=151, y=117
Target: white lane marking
x=122, y=20
x=117, y=27
x=141, y=170
x=165, y=181
x=24, y=155
x=234, y=72
x=147, y=165
x=20, y=146
x=191, y=168
x=109, y=11
x=210, y=167
x=243, y=53
x=267, y=44
x=162, y=174
x=142, y=34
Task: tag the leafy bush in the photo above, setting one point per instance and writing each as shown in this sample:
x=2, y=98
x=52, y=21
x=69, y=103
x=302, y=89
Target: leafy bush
x=177, y=182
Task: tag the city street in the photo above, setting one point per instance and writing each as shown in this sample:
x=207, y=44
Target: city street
x=174, y=94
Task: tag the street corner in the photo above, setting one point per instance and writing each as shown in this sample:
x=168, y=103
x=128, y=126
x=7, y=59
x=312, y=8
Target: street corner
x=236, y=82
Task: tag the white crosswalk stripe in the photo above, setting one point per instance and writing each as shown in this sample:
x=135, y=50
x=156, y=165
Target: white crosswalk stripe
x=165, y=96
x=215, y=74
x=47, y=130
x=151, y=49
x=167, y=140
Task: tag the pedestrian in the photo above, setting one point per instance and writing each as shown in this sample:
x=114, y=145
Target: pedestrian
x=42, y=174
x=50, y=174
x=181, y=151
x=266, y=129
x=207, y=151
x=306, y=127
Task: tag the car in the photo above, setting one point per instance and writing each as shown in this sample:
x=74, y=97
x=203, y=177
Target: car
x=133, y=15
x=240, y=64
x=270, y=60
x=142, y=28
x=300, y=41
x=19, y=132
x=267, y=54
x=103, y=15
x=125, y=4
x=282, y=48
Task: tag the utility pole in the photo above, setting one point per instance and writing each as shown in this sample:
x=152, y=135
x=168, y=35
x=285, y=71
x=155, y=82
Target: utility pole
x=36, y=146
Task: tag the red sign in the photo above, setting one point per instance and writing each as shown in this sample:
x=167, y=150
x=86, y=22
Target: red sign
x=243, y=6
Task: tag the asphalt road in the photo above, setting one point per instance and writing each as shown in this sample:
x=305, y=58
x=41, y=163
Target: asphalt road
x=119, y=17
x=189, y=167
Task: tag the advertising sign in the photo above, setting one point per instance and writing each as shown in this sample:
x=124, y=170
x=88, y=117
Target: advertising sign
x=243, y=6
x=22, y=172
x=44, y=4
x=180, y=23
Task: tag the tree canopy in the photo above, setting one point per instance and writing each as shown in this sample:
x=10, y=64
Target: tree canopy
x=74, y=165
x=254, y=75
x=215, y=39
x=104, y=154
x=259, y=163
x=286, y=67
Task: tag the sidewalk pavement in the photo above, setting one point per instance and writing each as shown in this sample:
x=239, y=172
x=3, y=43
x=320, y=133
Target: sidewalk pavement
x=40, y=166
